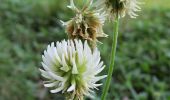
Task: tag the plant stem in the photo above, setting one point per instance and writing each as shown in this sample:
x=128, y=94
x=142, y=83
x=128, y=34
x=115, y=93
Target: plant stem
x=112, y=59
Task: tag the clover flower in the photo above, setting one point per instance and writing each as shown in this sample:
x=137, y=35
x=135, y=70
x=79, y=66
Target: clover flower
x=71, y=67
x=119, y=7
x=87, y=23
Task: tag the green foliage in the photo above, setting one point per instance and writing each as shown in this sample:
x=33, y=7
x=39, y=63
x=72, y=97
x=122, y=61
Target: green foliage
x=142, y=67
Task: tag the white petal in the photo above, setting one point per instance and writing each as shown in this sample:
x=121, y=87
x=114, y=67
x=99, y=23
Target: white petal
x=51, y=84
x=45, y=61
x=79, y=48
x=45, y=74
x=87, y=49
x=64, y=64
x=56, y=77
x=99, y=70
x=56, y=90
x=45, y=67
x=99, y=78
x=74, y=70
x=50, y=54
x=72, y=87
x=96, y=85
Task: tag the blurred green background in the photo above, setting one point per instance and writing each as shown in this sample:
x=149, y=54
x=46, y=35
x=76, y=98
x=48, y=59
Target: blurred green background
x=142, y=68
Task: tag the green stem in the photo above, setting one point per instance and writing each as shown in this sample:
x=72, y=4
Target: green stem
x=112, y=59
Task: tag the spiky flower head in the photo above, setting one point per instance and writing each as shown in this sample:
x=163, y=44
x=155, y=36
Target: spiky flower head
x=120, y=7
x=71, y=67
x=87, y=23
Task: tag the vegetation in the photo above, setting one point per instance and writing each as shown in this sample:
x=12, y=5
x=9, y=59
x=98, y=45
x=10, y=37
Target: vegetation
x=142, y=67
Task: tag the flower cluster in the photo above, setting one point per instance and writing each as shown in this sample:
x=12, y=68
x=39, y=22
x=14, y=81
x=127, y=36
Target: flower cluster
x=71, y=67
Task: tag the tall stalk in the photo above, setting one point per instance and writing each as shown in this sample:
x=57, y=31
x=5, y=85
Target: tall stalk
x=112, y=59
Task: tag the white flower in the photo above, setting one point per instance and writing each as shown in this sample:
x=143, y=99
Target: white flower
x=87, y=23
x=119, y=7
x=71, y=67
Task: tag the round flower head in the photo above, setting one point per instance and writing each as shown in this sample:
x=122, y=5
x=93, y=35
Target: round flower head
x=87, y=23
x=119, y=7
x=71, y=67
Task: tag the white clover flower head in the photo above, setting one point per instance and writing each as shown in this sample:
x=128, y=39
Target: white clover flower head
x=119, y=7
x=87, y=23
x=72, y=68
